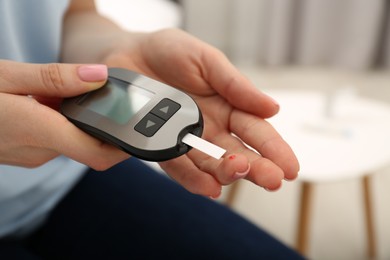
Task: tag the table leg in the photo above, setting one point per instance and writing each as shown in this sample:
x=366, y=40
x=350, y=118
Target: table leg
x=369, y=217
x=304, y=218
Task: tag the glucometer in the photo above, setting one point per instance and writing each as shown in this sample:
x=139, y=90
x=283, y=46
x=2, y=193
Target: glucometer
x=144, y=117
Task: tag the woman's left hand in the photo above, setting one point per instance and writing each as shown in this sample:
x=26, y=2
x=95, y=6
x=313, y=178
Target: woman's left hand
x=233, y=111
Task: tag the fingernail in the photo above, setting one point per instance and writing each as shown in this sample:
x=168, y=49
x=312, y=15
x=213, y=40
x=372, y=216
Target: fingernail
x=93, y=72
x=274, y=101
x=216, y=196
x=274, y=189
x=240, y=175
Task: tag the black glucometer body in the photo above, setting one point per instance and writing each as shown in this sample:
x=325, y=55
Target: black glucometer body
x=142, y=116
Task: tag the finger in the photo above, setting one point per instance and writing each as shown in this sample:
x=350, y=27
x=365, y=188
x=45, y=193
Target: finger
x=82, y=147
x=52, y=80
x=232, y=168
x=262, y=171
x=236, y=88
x=266, y=174
x=260, y=135
x=226, y=170
x=183, y=170
x=45, y=128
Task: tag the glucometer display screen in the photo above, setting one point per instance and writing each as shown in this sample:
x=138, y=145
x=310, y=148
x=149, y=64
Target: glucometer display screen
x=117, y=100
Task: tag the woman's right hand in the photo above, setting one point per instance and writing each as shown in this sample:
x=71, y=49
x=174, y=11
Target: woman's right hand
x=32, y=131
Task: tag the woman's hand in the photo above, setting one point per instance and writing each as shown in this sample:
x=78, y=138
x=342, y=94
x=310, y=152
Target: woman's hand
x=233, y=110
x=32, y=132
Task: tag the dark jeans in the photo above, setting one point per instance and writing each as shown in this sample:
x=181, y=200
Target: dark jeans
x=132, y=212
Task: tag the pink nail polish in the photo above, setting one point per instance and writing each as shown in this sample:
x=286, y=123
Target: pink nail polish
x=93, y=72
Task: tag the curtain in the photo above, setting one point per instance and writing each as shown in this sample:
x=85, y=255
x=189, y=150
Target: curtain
x=341, y=33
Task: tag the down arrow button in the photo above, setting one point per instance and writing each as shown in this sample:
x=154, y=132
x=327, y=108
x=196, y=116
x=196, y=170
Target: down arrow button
x=149, y=125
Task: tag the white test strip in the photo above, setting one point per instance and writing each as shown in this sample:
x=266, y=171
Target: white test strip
x=204, y=146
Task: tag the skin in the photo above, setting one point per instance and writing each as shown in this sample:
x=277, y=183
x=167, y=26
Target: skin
x=36, y=132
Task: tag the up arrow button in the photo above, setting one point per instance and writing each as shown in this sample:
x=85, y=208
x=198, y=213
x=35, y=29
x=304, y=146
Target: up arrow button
x=165, y=109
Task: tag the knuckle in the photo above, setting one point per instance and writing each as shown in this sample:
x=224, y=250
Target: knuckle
x=250, y=124
x=38, y=161
x=33, y=164
x=109, y=156
x=51, y=76
x=219, y=53
x=101, y=165
x=195, y=189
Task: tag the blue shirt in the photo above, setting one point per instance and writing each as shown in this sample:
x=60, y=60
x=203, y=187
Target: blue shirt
x=30, y=31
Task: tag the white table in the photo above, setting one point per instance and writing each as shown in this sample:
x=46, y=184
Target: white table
x=335, y=138
x=353, y=140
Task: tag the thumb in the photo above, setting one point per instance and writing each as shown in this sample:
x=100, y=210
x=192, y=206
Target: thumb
x=50, y=80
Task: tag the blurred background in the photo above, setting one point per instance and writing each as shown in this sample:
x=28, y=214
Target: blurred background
x=328, y=64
